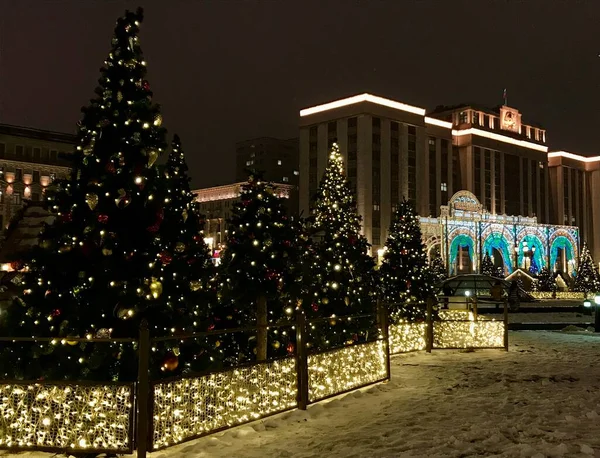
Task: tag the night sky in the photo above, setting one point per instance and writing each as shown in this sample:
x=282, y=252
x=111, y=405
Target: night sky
x=225, y=71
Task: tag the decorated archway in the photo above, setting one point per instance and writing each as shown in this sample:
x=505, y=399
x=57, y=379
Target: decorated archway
x=531, y=254
x=563, y=254
x=497, y=242
x=462, y=249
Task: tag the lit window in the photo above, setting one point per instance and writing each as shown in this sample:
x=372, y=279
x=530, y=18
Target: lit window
x=296, y=172
x=279, y=162
x=249, y=163
x=286, y=179
x=376, y=207
x=443, y=186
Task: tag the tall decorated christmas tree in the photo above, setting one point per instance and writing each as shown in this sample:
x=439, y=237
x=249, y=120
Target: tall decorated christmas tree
x=587, y=279
x=187, y=273
x=97, y=272
x=340, y=270
x=405, y=280
x=258, y=273
x=545, y=281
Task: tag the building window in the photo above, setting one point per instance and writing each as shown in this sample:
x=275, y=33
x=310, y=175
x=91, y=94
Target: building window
x=351, y=123
x=249, y=163
x=19, y=150
x=376, y=207
x=37, y=153
x=35, y=196
x=17, y=198
x=475, y=118
x=285, y=179
x=296, y=172
x=18, y=174
x=279, y=162
x=53, y=155
x=463, y=117
x=444, y=187
x=36, y=176
x=2, y=149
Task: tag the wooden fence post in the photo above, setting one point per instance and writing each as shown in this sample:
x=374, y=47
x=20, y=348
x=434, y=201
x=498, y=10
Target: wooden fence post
x=505, y=325
x=429, y=326
x=301, y=360
x=143, y=391
x=261, y=333
x=384, y=323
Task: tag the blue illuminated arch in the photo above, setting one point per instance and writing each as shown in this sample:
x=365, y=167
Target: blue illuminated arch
x=496, y=240
x=564, y=243
x=461, y=241
x=539, y=256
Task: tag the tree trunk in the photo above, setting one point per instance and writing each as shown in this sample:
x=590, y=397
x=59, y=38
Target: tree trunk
x=261, y=334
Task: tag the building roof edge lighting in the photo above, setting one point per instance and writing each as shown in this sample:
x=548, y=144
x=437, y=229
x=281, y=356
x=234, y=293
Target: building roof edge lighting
x=500, y=138
x=438, y=122
x=576, y=157
x=363, y=98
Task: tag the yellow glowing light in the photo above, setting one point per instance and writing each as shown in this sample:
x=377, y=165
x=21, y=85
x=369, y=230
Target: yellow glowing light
x=363, y=98
x=344, y=369
x=405, y=337
x=197, y=405
x=72, y=416
x=438, y=122
x=576, y=157
x=500, y=138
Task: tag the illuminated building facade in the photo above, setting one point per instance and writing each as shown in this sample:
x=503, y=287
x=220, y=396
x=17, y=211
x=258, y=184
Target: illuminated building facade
x=394, y=150
x=29, y=161
x=217, y=203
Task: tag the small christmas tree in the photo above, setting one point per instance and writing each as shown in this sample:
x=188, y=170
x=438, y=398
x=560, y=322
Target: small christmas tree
x=340, y=278
x=258, y=272
x=405, y=280
x=586, y=279
x=545, y=281
x=186, y=271
x=487, y=266
x=438, y=270
x=96, y=271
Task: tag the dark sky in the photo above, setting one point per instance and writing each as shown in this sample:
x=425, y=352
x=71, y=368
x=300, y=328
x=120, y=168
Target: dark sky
x=229, y=70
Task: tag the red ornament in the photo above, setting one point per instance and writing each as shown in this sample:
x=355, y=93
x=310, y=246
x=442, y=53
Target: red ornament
x=160, y=214
x=17, y=265
x=146, y=85
x=103, y=219
x=315, y=307
x=165, y=258
x=211, y=327
x=170, y=362
x=271, y=275
x=290, y=348
x=352, y=239
x=55, y=312
x=66, y=217
x=110, y=168
x=153, y=229
x=287, y=243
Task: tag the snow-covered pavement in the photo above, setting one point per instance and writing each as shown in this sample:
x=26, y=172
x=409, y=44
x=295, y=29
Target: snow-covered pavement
x=542, y=398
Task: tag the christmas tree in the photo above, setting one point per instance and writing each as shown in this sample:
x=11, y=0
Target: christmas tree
x=97, y=271
x=438, y=270
x=587, y=279
x=545, y=281
x=405, y=280
x=487, y=266
x=258, y=274
x=340, y=270
x=187, y=272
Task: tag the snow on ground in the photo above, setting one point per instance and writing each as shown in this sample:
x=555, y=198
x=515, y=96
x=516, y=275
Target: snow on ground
x=541, y=399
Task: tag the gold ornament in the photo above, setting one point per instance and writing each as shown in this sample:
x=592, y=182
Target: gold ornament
x=156, y=288
x=72, y=342
x=276, y=344
x=195, y=285
x=152, y=157
x=325, y=301
x=180, y=247
x=332, y=321
x=103, y=333
x=184, y=215
x=347, y=300
x=106, y=251
x=123, y=200
x=158, y=120
x=65, y=249
x=170, y=362
x=217, y=344
x=119, y=96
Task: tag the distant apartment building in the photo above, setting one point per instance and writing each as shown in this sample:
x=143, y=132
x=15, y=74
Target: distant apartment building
x=30, y=159
x=216, y=204
x=496, y=160
x=277, y=158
